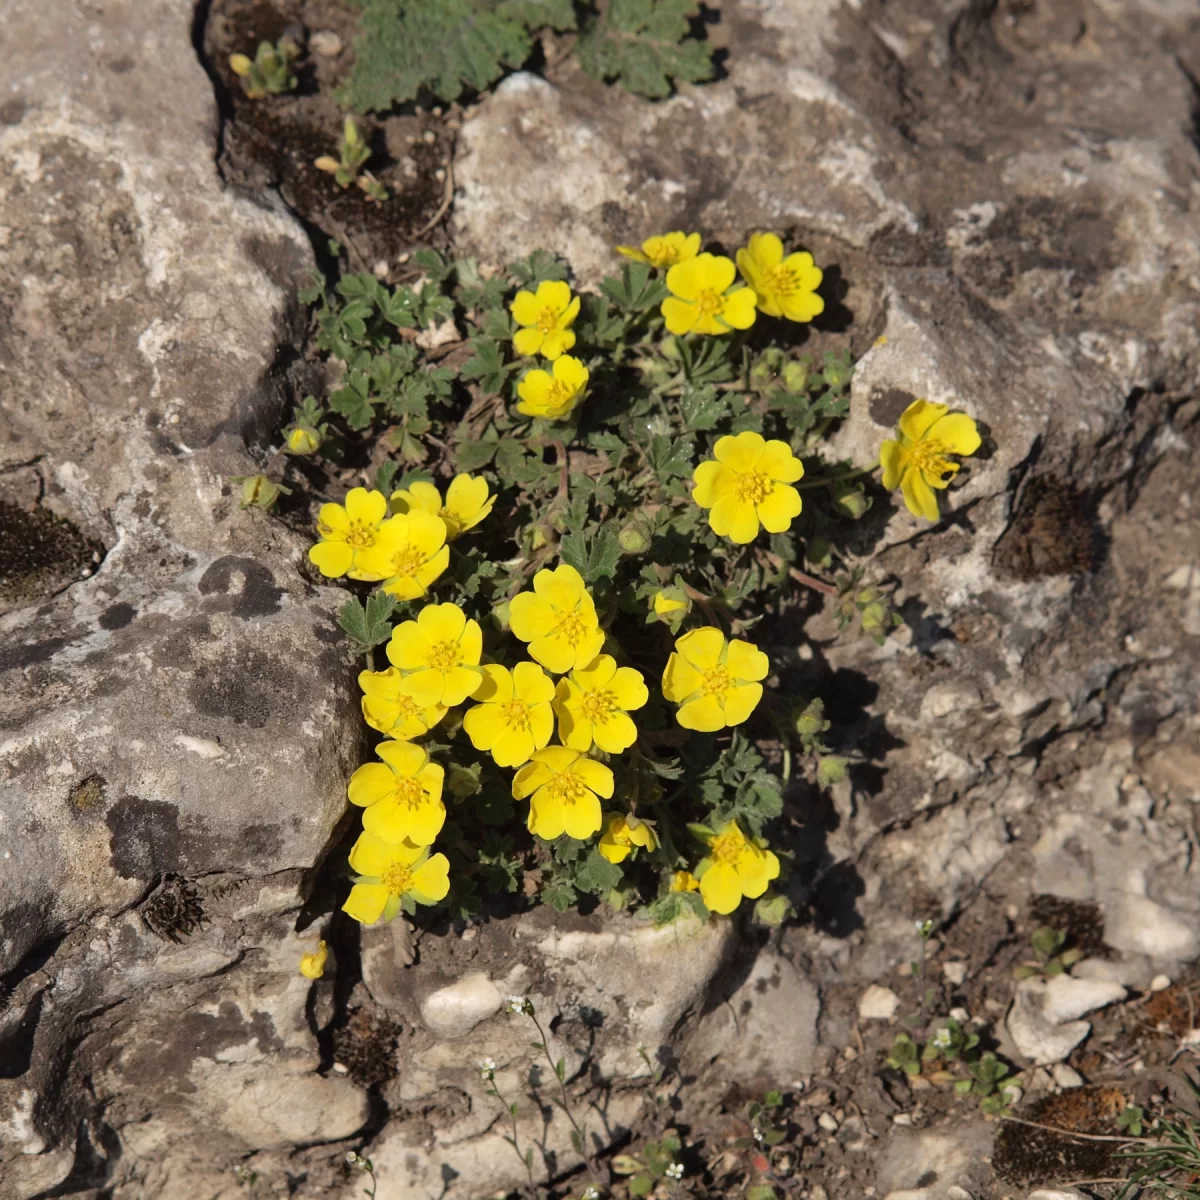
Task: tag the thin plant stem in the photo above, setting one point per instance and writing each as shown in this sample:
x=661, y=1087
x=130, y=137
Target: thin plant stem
x=817, y=481
x=514, y=1141
x=1087, y=1137
x=564, y=1101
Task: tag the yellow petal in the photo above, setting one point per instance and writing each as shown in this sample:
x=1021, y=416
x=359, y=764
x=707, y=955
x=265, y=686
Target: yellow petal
x=957, y=432
x=441, y=622
x=740, y=308
x=629, y=688
x=919, y=496
x=891, y=459
x=332, y=559
x=484, y=724
x=557, y=342
x=917, y=418
x=512, y=747
x=458, y=684
x=615, y=735
x=687, y=279
x=366, y=902
x=332, y=519
x=594, y=775
x=713, y=480
x=746, y=662
x=431, y=880
x=632, y=252
x=740, y=453
x=704, y=715
x=408, y=647
x=735, y=519
x=740, y=702
x=529, y=778
x=756, y=868
x=525, y=308
x=719, y=888
x=702, y=647
x=528, y=342
x=583, y=818
x=779, y=463
x=530, y=616
x=680, y=315
x=680, y=679
x=368, y=507
x=466, y=497
x=801, y=306
x=470, y=644
x=777, y=509
x=531, y=684
x=403, y=757
x=571, y=373
x=554, y=294
x=370, y=784
x=534, y=387
x=766, y=250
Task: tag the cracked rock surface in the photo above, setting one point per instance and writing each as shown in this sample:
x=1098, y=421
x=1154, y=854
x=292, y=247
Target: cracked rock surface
x=1007, y=211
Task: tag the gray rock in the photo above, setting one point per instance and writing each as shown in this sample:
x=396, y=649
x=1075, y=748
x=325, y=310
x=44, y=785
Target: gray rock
x=1043, y=1020
x=911, y=1157
x=453, y=1011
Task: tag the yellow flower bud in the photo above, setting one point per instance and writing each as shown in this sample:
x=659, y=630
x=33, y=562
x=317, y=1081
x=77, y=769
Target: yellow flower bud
x=312, y=966
x=667, y=603
x=259, y=492
x=303, y=439
x=239, y=64
x=684, y=881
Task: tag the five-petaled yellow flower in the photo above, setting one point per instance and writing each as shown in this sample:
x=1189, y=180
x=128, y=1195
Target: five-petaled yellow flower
x=592, y=703
x=564, y=790
x=413, y=554
x=735, y=867
x=312, y=966
x=546, y=315
x=748, y=483
x=716, y=683
x=349, y=533
x=664, y=250
x=558, y=620
x=553, y=396
x=401, y=797
x=513, y=717
x=702, y=300
x=438, y=654
x=467, y=502
x=390, y=871
x=388, y=708
x=917, y=462
x=784, y=287
x=622, y=833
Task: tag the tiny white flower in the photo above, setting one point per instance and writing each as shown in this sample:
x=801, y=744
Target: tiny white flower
x=591, y=1193
x=943, y=1039
x=351, y=1157
x=518, y=1004
x=487, y=1068
x=675, y=1171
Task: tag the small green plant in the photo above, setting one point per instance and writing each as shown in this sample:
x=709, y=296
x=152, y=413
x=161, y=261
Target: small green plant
x=905, y=1055
x=654, y=1162
x=949, y=1043
x=1169, y=1165
x=1131, y=1120
x=984, y=1076
x=1050, y=956
x=348, y=167
x=269, y=72
x=359, y=1162
x=445, y=47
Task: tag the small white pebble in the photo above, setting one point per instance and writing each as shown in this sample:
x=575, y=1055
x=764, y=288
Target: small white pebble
x=828, y=1122
x=1065, y=1076
x=902, y=1119
x=849, y=1054
x=955, y=973
x=1159, y=983
x=380, y=269
x=437, y=110
x=904, y=970
x=960, y=1015
x=402, y=258
x=326, y=43
x=340, y=1069
x=429, y=137
x=1012, y=912
x=440, y=174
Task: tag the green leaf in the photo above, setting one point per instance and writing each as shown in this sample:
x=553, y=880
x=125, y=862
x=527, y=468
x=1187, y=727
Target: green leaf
x=760, y=1192
x=594, y=558
x=702, y=407
x=641, y=1185
x=444, y=46
x=596, y=874
x=644, y=45
x=537, y=267
x=470, y=456
x=576, y=1141
x=487, y=365
x=385, y=476
x=535, y=14
x=560, y=1069
x=636, y=289
x=670, y=456
x=354, y=401
x=371, y=625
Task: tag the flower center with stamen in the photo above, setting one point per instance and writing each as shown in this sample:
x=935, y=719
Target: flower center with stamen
x=547, y=320
x=598, y=705
x=516, y=714
x=753, y=487
x=443, y=656
x=360, y=535
x=566, y=788
x=408, y=792
x=397, y=879
x=570, y=628
x=930, y=459
x=783, y=280
x=559, y=393
x=408, y=560
x=727, y=847
x=710, y=302
x=716, y=681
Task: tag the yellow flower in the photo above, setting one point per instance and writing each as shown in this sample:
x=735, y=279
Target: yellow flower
x=700, y=300
x=592, y=702
x=715, y=683
x=513, y=716
x=303, y=439
x=622, y=834
x=386, y=707
x=439, y=655
x=553, y=396
x=666, y=605
x=558, y=620
x=348, y=534
x=312, y=966
x=401, y=797
x=684, y=881
x=390, y=872
x=546, y=315
x=735, y=867
x=412, y=556
x=748, y=482
x=564, y=789
x=467, y=503
x=784, y=287
x=665, y=250
x=918, y=462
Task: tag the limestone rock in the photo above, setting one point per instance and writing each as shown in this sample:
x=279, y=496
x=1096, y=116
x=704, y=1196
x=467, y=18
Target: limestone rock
x=878, y=1004
x=1043, y=1020
x=453, y=1011
x=914, y=1156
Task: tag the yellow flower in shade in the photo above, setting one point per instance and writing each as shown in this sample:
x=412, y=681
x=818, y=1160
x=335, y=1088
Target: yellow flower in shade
x=350, y=533
x=666, y=605
x=622, y=833
x=412, y=556
x=467, y=503
x=592, y=704
x=303, y=439
x=715, y=683
x=684, y=881
x=735, y=867
x=564, y=790
x=917, y=462
x=748, y=483
x=664, y=250
x=546, y=315
x=438, y=654
x=783, y=287
x=401, y=797
x=312, y=966
x=386, y=707
x=553, y=396
x=390, y=872
x=513, y=717
x=558, y=620
x=701, y=300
